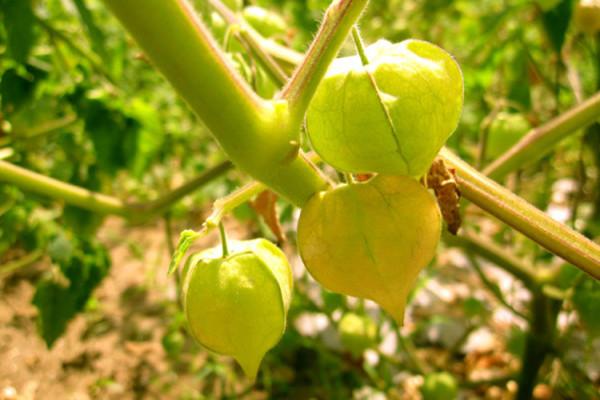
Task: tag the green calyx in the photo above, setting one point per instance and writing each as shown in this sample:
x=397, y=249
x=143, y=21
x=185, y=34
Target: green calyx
x=237, y=305
x=371, y=240
x=391, y=116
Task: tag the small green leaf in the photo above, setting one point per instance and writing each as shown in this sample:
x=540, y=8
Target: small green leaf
x=150, y=136
x=17, y=87
x=58, y=303
x=586, y=300
x=95, y=34
x=19, y=22
x=113, y=133
x=186, y=239
x=556, y=22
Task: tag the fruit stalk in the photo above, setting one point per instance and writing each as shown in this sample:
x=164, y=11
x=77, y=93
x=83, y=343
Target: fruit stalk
x=339, y=18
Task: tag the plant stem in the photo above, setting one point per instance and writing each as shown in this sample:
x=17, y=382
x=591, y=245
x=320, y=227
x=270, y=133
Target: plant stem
x=498, y=255
x=500, y=381
x=98, y=202
x=538, y=342
x=233, y=200
x=180, y=46
x=12, y=266
x=493, y=288
x=165, y=201
x=171, y=248
x=409, y=350
x=223, y=239
x=243, y=33
x=45, y=128
x=542, y=139
x=360, y=47
x=53, y=188
x=518, y=213
x=258, y=135
x=285, y=57
x=339, y=18
x=220, y=207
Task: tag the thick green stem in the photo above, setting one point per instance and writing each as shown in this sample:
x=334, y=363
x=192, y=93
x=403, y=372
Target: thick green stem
x=180, y=46
x=255, y=133
x=538, y=342
x=543, y=139
x=53, y=188
x=337, y=23
x=518, y=213
x=98, y=202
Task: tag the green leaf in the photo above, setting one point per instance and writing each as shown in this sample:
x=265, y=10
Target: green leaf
x=17, y=87
x=556, y=22
x=94, y=33
x=473, y=307
x=113, y=133
x=518, y=69
x=586, y=300
x=150, y=137
x=19, y=22
x=186, y=239
x=58, y=303
x=515, y=342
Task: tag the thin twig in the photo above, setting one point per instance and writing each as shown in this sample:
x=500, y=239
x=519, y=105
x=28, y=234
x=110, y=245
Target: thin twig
x=493, y=288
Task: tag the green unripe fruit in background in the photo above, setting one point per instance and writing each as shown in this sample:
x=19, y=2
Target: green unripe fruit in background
x=370, y=240
x=505, y=131
x=439, y=386
x=173, y=343
x=397, y=129
x=265, y=22
x=237, y=305
x=357, y=333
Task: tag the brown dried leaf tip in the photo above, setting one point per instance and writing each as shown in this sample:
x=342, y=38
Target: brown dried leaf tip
x=442, y=180
x=265, y=205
